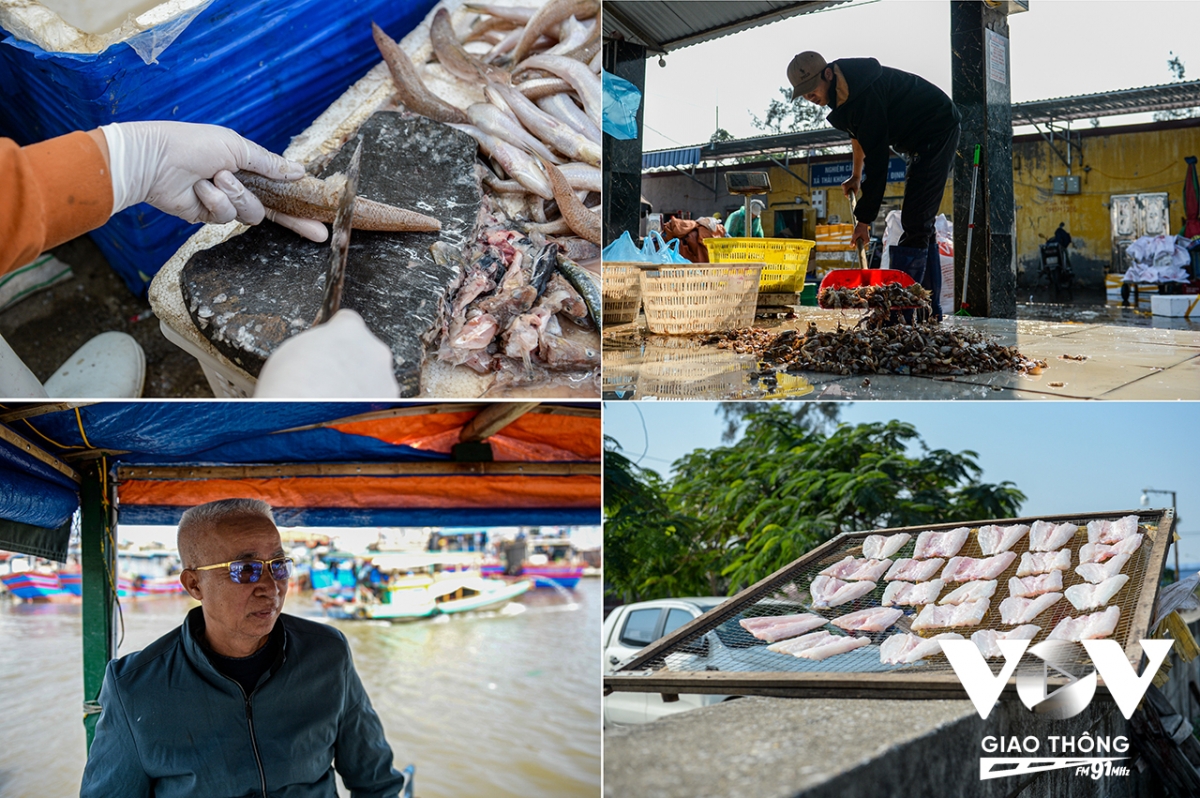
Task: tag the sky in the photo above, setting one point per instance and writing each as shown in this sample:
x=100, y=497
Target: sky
x=1059, y=48
x=1067, y=457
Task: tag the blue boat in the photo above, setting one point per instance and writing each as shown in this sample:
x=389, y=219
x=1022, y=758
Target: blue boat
x=34, y=586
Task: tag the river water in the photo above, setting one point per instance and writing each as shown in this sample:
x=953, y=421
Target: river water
x=500, y=703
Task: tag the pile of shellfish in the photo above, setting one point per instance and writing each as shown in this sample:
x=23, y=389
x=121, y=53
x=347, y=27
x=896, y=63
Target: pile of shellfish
x=899, y=349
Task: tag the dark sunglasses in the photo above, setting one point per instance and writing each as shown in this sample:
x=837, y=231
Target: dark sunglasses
x=245, y=572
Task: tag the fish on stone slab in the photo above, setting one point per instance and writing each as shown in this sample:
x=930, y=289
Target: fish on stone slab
x=313, y=198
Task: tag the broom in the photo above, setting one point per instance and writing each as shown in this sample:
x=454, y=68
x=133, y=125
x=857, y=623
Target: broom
x=963, y=307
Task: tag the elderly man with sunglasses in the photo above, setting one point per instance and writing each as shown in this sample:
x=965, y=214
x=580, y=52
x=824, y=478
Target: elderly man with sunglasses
x=241, y=699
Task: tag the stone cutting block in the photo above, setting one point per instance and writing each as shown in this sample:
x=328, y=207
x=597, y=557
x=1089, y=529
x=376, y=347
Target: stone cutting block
x=252, y=292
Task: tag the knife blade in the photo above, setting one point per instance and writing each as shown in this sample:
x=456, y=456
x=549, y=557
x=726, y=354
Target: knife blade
x=339, y=242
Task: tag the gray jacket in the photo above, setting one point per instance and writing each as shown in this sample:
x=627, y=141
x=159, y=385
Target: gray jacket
x=172, y=725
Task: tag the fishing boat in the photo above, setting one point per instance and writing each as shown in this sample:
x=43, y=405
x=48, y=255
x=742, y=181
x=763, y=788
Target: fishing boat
x=35, y=586
x=551, y=563
x=409, y=586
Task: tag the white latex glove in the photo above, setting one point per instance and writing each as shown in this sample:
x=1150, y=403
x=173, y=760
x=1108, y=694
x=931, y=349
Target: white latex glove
x=340, y=359
x=186, y=170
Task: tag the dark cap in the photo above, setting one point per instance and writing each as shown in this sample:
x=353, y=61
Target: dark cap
x=805, y=72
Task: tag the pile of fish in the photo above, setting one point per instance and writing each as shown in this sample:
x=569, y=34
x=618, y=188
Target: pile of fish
x=522, y=307
x=514, y=308
x=882, y=297
x=948, y=590
x=919, y=349
x=540, y=125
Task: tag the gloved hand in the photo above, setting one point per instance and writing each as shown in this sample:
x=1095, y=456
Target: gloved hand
x=186, y=170
x=340, y=359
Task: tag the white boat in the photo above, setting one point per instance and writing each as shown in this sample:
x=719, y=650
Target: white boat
x=419, y=585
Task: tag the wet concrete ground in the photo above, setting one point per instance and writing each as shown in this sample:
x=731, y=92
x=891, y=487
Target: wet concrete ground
x=1128, y=355
x=47, y=327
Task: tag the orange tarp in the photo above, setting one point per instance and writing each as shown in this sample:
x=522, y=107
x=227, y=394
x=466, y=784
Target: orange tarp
x=496, y=491
x=534, y=437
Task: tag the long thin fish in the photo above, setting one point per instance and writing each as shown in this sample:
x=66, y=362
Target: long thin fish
x=548, y=18
x=564, y=109
x=555, y=133
x=494, y=122
x=412, y=91
x=518, y=163
x=537, y=88
x=585, y=82
x=455, y=59
x=312, y=198
x=578, y=277
x=518, y=14
x=584, y=222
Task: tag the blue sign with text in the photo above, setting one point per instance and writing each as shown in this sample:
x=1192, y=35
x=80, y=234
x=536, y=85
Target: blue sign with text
x=834, y=174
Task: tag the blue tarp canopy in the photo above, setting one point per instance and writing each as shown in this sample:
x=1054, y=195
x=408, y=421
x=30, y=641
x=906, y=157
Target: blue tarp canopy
x=37, y=499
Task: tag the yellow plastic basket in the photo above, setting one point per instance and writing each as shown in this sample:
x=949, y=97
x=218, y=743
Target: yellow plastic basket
x=785, y=259
x=679, y=300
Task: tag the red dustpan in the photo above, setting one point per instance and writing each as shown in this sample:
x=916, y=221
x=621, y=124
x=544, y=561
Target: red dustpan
x=862, y=276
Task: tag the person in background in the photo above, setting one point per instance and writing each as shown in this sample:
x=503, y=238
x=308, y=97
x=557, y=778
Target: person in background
x=55, y=190
x=1063, y=239
x=735, y=226
x=884, y=109
x=240, y=699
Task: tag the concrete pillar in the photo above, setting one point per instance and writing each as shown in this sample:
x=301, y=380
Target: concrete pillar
x=981, y=80
x=623, y=159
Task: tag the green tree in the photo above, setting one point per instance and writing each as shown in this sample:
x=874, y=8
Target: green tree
x=786, y=487
x=1177, y=69
x=650, y=551
x=719, y=135
x=790, y=116
x=816, y=415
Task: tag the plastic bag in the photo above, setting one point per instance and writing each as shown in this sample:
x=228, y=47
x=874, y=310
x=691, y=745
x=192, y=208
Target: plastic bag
x=623, y=249
x=656, y=250
x=621, y=101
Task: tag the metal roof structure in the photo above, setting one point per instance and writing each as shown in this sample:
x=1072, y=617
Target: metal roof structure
x=1165, y=97
x=665, y=25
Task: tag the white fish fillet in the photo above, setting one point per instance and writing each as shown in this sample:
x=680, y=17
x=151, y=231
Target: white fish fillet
x=985, y=639
x=875, y=619
x=995, y=539
x=971, y=591
x=1047, y=536
x=851, y=569
x=1099, y=552
x=787, y=626
x=912, y=594
x=759, y=621
x=936, y=616
x=839, y=645
x=1030, y=586
x=801, y=643
x=904, y=649
x=829, y=592
x=1097, y=572
x=969, y=569
x=1110, y=532
x=940, y=544
x=1015, y=611
x=1044, y=562
x=913, y=570
x=1087, y=627
x=1086, y=597
x=880, y=547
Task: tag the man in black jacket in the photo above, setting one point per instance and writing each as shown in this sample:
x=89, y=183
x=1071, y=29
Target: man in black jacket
x=884, y=108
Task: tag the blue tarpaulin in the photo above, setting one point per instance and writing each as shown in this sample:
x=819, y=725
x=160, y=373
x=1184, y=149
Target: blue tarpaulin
x=285, y=433
x=266, y=69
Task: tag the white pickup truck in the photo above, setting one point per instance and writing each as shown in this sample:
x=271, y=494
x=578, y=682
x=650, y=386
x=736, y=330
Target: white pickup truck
x=630, y=628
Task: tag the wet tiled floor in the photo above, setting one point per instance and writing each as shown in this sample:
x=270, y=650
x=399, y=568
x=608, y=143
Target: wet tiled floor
x=1122, y=362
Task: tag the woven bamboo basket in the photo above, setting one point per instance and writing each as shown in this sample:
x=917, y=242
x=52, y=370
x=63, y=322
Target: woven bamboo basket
x=622, y=291
x=703, y=298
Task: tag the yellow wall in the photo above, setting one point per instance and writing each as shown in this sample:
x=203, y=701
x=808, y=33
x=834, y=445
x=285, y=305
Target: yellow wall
x=1119, y=162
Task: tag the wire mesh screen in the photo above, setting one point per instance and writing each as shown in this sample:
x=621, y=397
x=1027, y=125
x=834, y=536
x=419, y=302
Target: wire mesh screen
x=740, y=637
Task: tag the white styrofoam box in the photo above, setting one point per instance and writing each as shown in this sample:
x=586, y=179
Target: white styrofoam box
x=1172, y=304
x=226, y=380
